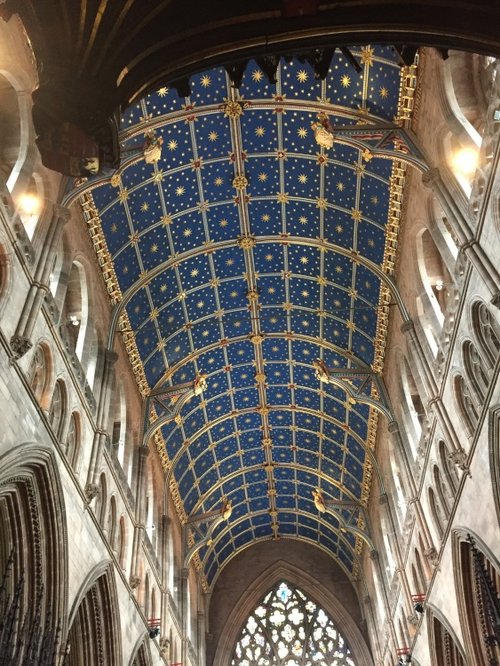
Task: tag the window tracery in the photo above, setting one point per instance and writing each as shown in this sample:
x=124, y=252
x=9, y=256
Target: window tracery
x=38, y=373
x=487, y=332
x=56, y=412
x=73, y=440
x=289, y=628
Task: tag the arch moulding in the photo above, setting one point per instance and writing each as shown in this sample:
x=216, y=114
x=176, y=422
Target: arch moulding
x=278, y=571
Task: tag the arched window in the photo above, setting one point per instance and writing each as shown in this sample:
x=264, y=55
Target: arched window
x=102, y=499
x=75, y=310
x=487, y=333
x=437, y=512
x=39, y=375
x=111, y=526
x=466, y=404
x=421, y=578
x=122, y=543
x=442, y=491
x=73, y=440
x=436, y=281
x=476, y=372
x=414, y=413
x=449, y=470
x=288, y=628
x=58, y=408
x=478, y=583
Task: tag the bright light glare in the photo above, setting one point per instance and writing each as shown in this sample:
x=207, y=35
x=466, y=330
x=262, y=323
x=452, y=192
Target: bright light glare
x=30, y=204
x=465, y=161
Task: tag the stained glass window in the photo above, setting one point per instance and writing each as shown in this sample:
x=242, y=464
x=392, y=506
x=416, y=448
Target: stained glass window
x=288, y=629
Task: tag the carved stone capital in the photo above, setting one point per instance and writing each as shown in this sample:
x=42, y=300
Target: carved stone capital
x=407, y=327
x=374, y=555
x=91, y=491
x=62, y=213
x=110, y=357
x=431, y=177
x=413, y=619
x=495, y=300
x=393, y=427
x=432, y=555
x=459, y=458
x=20, y=345
x=134, y=582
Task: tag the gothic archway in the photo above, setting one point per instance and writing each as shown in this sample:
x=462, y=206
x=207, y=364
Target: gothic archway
x=32, y=556
x=94, y=634
x=325, y=606
x=444, y=645
x=477, y=578
x=287, y=627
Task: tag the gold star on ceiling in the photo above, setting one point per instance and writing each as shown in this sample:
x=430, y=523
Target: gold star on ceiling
x=213, y=136
x=144, y=206
x=223, y=223
x=302, y=178
x=260, y=131
x=172, y=144
x=154, y=248
x=180, y=190
x=162, y=91
x=265, y=217
x=262, y=177
x=340, y=186
x=302, y=76
x=282, y=197
x=257, y=75
x=345, y=81
x=218, y=181
x=205, y=81
x=374, y=199
x=303, y=219
x=302, y=132
x=383, y=92
x=356, y=214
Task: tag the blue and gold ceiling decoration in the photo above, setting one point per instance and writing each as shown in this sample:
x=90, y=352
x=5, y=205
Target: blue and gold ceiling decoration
x=246, y=253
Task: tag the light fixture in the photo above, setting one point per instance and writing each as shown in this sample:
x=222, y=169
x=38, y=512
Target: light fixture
x=29, y=203
x=439, y=285
x=73, y=319
x=465, y=161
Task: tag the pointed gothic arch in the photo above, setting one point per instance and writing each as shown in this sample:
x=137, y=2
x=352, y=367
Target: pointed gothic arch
x=444, y=645
x=33, y=534
x=271, y=577
x=477, y=582
x=94, y=623
x=141, y=655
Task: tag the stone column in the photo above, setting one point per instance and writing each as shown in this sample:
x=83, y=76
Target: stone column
x=413, y=491
x=384, y=501
x=100, y=435
x=184, y=614
x=140, y=506
x=468, y=243
x=374, y=556
x=21, y=340
x=430, y=385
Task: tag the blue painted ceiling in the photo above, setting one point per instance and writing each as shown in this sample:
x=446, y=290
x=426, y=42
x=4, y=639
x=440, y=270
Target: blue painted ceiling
x=254, y=314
